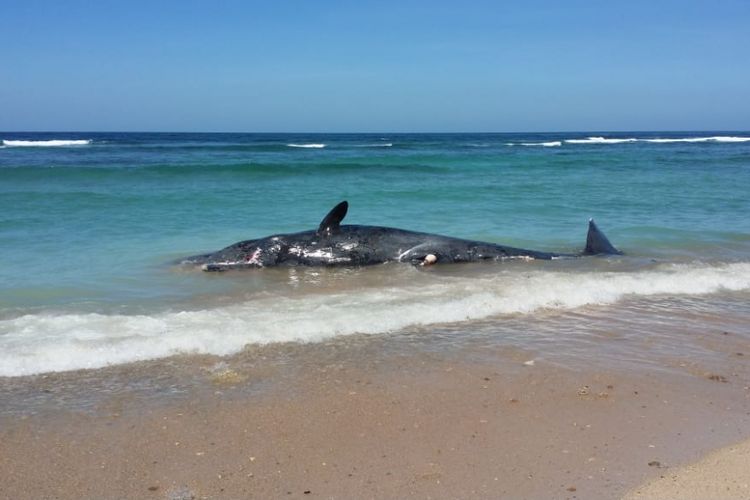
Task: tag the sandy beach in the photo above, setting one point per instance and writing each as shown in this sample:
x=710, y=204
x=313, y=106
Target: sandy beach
x=345, y=420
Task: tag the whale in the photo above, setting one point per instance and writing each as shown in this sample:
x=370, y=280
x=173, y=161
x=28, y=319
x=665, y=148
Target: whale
x=333, y=244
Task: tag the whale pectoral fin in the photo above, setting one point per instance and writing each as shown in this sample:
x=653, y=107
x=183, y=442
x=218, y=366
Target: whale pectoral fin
x=330, y=223
x=597, y=243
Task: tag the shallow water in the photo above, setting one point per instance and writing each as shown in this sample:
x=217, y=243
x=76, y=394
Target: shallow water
x=88, y=231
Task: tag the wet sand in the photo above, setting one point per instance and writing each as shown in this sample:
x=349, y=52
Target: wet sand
x=343, y=420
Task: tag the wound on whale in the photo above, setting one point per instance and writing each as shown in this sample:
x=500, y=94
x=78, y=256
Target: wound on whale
x=334, y=244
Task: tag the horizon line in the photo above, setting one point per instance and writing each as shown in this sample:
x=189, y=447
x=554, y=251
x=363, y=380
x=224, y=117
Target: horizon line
x=599, y=131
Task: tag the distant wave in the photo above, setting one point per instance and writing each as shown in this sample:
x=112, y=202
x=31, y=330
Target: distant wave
x=50, y=143
x=656, y=140
x=371, y=145
x=599, y=140
x=701, y=139
x=550, y=144
x=310, y=146
x=625, y=140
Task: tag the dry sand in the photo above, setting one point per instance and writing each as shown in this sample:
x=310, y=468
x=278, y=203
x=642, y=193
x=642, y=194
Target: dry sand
x=345, y=424
x=722, y=474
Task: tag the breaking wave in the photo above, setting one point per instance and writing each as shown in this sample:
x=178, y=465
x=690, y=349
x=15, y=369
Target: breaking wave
x=550, y=144
x=656, y=140
x=600, y=140
x=50, y=143
x=44, y=342
x=701, y=139
x=309, y=146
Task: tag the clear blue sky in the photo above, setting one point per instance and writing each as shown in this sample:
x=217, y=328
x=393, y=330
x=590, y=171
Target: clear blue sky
x=330, y=66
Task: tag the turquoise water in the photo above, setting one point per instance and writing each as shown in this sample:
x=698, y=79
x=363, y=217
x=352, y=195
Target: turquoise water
x=88, y=230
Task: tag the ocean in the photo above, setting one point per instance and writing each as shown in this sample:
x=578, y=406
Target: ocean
x=91, y=225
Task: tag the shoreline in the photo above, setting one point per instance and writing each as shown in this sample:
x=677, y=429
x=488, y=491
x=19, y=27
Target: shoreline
x=357, y=419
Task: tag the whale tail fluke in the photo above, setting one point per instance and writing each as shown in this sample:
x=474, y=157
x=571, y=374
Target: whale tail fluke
x=597, y=243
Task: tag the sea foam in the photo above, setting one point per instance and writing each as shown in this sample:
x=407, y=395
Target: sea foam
x=600, y=140
x=700, y=139
x=550, y=144
x=657, y=140
x=43, y=342
x=50, y=143
x=309, y=146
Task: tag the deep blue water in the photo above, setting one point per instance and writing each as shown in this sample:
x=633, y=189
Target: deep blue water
x=91, y=228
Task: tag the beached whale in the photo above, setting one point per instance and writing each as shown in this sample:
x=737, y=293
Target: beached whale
x=335, y=245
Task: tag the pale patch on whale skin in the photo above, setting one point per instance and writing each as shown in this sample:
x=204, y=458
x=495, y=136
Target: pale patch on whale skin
x=325, y=254
x=255, y=257
x=429, y=260
x=527, y=258
x=319, y=253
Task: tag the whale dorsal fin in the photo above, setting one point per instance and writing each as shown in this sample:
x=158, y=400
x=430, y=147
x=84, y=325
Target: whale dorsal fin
x=597, y=243
x=330, y=223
